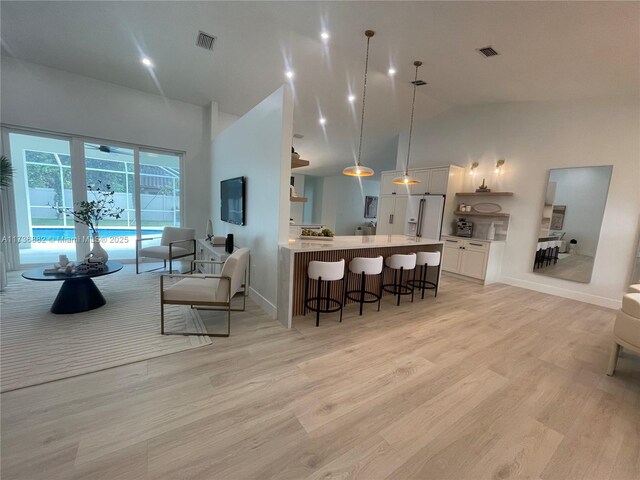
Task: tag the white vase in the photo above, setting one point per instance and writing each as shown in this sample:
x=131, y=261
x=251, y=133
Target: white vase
x=97, y=252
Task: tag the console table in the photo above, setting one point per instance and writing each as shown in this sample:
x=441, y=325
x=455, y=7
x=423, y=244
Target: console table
x=206, y=251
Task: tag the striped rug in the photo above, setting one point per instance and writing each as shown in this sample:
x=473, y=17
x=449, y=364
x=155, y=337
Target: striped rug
x=37, y=346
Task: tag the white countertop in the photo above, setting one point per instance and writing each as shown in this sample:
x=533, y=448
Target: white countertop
x=356, y=241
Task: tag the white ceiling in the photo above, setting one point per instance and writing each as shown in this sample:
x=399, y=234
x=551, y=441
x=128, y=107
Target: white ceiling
x=549, y=51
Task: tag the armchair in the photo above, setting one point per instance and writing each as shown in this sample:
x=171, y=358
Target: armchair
x=175, y=243
x=211, y=292
x=626, y=329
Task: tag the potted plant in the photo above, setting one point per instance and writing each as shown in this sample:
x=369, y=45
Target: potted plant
x=92, y=212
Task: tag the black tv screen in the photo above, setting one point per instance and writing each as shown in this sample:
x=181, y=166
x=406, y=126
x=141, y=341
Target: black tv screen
x=232, y=194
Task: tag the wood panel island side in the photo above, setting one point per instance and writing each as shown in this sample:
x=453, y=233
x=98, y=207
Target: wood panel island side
x=294, y=257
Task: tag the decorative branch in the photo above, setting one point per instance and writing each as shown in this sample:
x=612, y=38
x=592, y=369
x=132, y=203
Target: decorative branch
x=91, y=212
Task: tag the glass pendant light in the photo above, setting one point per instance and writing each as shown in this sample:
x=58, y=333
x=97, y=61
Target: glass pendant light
x=359, y=170
x=407, y=179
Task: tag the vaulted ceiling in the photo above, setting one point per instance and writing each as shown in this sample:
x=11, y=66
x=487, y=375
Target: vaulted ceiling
x=549, y=51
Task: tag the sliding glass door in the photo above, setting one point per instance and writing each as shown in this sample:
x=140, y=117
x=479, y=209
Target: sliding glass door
x=112, y=168
x=159, y=190
x=41, y=183
x=53, y=172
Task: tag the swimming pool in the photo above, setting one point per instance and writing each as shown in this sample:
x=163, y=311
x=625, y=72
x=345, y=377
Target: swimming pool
x=52, y=234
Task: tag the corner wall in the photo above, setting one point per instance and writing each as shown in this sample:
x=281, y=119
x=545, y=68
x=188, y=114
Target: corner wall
x=258, y=147
x=534, y=137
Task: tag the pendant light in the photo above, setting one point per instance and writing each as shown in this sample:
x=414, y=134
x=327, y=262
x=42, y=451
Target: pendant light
x=359, y=170
x=407, y=179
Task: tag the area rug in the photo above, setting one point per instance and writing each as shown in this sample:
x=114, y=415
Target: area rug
x=37, y=346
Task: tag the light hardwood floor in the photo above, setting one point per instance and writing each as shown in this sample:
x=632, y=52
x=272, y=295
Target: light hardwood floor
x=482, y=382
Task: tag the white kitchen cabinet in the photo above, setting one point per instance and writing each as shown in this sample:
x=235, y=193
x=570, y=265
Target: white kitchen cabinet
x=425, y=179
x=432, y=180
x=387, y=187
x=392, y=211
x=438, y=181
x=473, y=258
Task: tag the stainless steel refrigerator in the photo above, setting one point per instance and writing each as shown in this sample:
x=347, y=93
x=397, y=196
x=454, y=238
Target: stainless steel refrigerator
x=424, y=216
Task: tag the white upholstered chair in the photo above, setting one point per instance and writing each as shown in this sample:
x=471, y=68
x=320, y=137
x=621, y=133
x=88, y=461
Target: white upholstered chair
x=211, y=292
x=626, y=329
x=175, y=243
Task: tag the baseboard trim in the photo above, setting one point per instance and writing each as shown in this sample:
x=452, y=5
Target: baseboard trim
x=563, y=292
x=269, y=308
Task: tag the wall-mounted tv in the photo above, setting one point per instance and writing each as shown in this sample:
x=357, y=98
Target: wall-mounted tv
x=232, y=200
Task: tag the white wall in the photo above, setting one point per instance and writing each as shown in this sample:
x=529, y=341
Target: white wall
x=39, y=97
x=258, y=147
x=343, y=202
x=534, y=137
x=584, y=192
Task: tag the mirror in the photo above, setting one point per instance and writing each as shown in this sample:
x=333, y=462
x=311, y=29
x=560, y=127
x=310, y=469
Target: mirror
x=571, y=220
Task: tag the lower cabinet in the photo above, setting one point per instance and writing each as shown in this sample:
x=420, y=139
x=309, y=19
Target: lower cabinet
x=477, y=259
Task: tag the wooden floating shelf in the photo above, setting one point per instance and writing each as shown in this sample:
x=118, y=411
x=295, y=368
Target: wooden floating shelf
x=297, y=162
x=298, y=199
x=485, y=194
x=481, y=214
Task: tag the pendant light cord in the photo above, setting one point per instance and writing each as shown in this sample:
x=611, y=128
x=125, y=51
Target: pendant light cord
x=364, y=96
x=413, y=105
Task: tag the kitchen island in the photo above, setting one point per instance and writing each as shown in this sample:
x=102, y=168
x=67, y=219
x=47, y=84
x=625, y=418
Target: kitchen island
x=294, y=257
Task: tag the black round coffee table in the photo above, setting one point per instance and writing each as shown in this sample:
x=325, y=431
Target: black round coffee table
x=78, y=293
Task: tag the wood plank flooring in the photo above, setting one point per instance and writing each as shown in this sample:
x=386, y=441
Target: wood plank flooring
x=482, y=382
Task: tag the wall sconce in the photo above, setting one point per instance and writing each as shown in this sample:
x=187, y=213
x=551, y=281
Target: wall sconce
x=474, y=165
x=499, y=166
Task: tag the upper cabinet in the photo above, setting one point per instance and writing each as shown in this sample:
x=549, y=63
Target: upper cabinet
x=432, y=180
x=387, y=187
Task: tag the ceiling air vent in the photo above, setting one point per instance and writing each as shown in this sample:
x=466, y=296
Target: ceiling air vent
x=487, y=51
x=419, y=83
x=205, y=40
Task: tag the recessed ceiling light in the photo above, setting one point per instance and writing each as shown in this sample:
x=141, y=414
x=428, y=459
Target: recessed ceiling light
x=322, y=120
x=289, y=73
x=146, y=61
x=392, y=71
x=352, y=98
x=324, y=35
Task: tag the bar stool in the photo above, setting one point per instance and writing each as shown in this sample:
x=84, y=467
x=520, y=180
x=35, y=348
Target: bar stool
x=542, y=253
x=363, y=267
x=400, y=263
x=556, y=250
x=326, y=272
x=424, y=260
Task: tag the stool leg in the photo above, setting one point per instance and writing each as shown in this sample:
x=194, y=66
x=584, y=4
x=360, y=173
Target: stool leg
x=328, y=291
x=362, y=286
x=412, y=288
x=381, y=282
x=399, y=285
x=424, y=278
x=306, y=294
x=438, y=279
x=318, y=302
x=344, y=288
x=395, y=283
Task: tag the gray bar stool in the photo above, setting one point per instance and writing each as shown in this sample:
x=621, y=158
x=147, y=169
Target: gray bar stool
x=326, y=272
x=400, y=263
x=424, y=260
x=363, y=267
